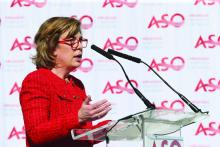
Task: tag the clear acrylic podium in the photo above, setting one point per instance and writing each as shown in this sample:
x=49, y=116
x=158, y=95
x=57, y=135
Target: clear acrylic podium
x=149, y=126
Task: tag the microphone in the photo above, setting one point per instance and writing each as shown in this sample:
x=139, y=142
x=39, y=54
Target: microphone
x=102, y=52
x=138, y=60
x=128, y=57
x=137, y=92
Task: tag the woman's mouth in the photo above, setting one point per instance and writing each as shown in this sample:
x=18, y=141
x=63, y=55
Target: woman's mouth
x=78, y=57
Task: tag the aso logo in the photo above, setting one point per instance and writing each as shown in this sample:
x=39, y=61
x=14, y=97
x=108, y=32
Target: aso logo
x=28, y=3
x=173, y=105
x=121, y=43
x=166, y=143
x=17, y=134
x=176, y=20
x=212, y=129
x=120, y=3
x=86, y=21
x=86, y=65
x=206, y=2
x=176, y=63
x=212, y=85
x=211, y=42
x=26, y=44
x=120, y=87
x=15, y=88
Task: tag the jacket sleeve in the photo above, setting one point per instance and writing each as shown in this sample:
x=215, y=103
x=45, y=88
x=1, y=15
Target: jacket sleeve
x=35, y=103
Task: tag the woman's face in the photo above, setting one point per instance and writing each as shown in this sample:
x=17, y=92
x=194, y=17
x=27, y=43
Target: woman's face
x=68, y=57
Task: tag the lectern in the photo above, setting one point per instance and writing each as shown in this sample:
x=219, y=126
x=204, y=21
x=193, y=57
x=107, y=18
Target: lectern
x=150, y=126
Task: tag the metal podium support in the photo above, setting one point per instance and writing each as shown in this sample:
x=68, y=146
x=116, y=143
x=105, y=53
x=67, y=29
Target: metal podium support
x=143, y=132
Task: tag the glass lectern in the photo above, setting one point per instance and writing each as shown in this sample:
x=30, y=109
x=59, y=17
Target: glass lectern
x=149, y=126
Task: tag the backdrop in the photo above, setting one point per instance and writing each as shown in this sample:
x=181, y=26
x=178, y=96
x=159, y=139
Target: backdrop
x=180, y=39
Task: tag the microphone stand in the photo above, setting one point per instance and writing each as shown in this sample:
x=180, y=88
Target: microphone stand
x=138, y=60
x=140, y=95
x=189, y=103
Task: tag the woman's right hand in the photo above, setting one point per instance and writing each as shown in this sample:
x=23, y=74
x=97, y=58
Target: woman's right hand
x=90, y=112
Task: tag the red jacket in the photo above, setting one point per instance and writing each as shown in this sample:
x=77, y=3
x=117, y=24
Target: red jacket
x=50, y=109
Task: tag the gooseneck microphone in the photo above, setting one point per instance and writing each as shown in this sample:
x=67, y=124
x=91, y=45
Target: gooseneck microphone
x=137, y=92
x=138, y=60
x=102, y=52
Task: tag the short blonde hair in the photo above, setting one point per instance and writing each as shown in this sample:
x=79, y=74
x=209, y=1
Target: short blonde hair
x=47, y=38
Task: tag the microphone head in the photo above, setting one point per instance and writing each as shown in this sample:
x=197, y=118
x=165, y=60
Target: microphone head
x=93, y=46
x=102, y=52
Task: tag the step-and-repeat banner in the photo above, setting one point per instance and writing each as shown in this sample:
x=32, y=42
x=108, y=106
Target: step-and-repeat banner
x=180, y=39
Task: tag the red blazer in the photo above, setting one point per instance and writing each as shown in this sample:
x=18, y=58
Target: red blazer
x=50, y=109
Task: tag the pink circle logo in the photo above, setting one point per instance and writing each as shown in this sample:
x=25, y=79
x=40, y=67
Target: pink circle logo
x=86, y=21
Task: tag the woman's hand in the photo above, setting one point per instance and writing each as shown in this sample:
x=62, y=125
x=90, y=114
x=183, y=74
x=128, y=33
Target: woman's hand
x=90, y=112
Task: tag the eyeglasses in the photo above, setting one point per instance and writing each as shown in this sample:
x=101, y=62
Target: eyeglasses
x=74, y=43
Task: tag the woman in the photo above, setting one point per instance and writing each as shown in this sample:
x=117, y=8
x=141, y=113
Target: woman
x=54, y=102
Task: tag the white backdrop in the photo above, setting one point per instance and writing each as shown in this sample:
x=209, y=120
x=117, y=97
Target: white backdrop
x=180, y=39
